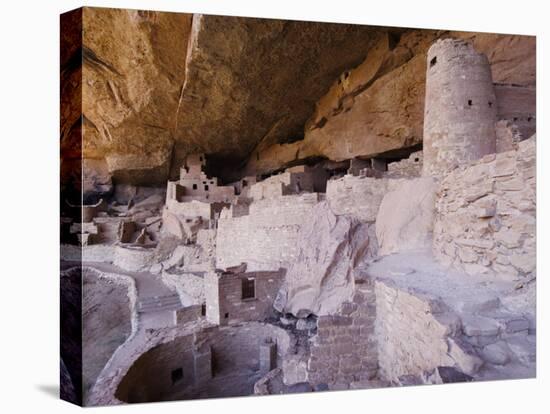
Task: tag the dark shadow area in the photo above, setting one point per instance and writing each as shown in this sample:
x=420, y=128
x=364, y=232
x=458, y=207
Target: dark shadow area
x=52, y=390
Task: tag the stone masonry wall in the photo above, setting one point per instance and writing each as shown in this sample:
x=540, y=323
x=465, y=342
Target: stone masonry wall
x=356, y=196
x=224, y=302
x=344, y=350
x=460, y=107
x=266, y=238
x=406, y=168
x=282, y=184
x=485, y=215
x=411, y=338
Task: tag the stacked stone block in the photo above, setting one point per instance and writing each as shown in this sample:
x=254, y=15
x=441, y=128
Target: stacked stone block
x=266, y=238
x=344, y=350
x=485, y=215
x=407, y=168
x=460, y=107
x=225, y=304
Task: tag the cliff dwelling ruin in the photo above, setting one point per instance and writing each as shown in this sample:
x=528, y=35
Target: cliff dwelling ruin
x=267, y=207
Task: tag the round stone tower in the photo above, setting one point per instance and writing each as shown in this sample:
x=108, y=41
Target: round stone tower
x=460, y=107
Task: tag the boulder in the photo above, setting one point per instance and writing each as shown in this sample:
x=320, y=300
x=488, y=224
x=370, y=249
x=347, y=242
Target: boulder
x=329, y=248
x=405, y=217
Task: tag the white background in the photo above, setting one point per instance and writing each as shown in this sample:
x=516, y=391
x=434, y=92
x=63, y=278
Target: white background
x=29, y=67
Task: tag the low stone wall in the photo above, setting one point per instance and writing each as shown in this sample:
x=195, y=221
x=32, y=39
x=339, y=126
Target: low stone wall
x=266, y=238
x=134, y=258
x=92, y=253
x=412, y=334
x=193, y=208
x=485, y=215
x=286, y=183
x=406, y=168
x=344, y=350
x=190, y=286
x=356, y=196
x=224, y=302
x=188, y=314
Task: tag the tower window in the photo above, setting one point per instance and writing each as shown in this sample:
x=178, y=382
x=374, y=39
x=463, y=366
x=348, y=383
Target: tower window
x=248, y=288
x=203, y=309
x=177, y=375
x=433, y=61
x=469, y=102
x=206, y=188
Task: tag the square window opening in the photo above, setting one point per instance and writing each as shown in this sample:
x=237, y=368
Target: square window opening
x=248, y=286
x=177, y=375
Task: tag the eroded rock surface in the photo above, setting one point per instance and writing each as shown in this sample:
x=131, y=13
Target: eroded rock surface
x=405, y=217
x=321, y=278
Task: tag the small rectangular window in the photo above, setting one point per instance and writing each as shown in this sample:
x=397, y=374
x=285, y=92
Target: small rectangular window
x=194, y=186
x=177, y=375
x=206, y=188
x=248, y=288
x=203, y=309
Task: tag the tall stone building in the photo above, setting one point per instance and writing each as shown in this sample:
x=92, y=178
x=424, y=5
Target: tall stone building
x=460, y=109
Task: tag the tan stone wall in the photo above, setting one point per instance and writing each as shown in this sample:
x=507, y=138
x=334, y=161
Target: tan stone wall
x=229, y=307
x=411, y=339
x=344, y=350
x=266, y=238
x=460, y=107
x=188, y=314
x=485, y=215
x=287, y=183
x=408, y=167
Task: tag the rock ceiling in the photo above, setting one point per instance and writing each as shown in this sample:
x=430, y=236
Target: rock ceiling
x=156, y=86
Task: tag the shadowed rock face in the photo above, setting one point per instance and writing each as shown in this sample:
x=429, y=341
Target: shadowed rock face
x=133, y=72
x=257, y=92
x=157, y=86
x=255, y=82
